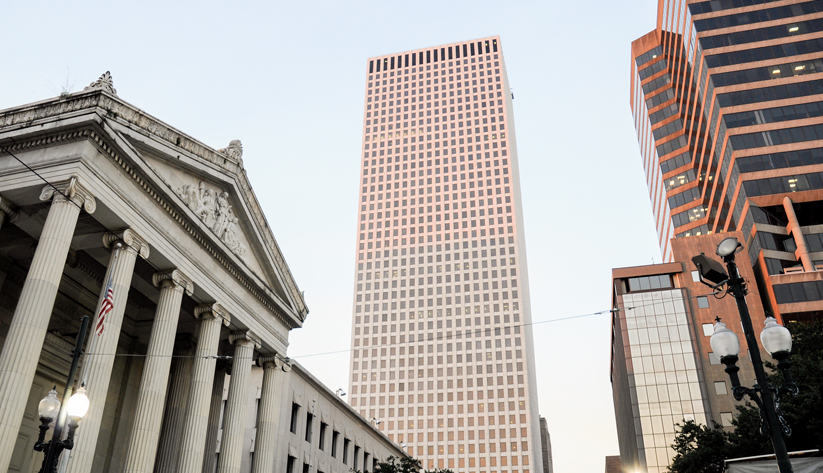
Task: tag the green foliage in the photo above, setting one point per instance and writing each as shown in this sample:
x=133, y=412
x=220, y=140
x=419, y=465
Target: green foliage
x=702, y=449
x=699, y=449
x=804, y=412
x=401, y=465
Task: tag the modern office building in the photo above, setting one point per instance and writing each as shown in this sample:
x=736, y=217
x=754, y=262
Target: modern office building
x=442, y=347
x=663, y=371
x=727, y=98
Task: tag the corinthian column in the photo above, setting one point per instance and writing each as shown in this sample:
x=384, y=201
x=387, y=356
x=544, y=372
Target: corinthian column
x=148, y=415
x=8, y=211
x=231, y=445
x=266, y=441
x=215, y=405
x=192, y=448
x=21, y=349
x=174, y=414
x=102, y=345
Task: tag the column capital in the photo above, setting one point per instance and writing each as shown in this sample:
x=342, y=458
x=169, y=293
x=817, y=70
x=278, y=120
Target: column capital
x=245, y=338
x=276, y=361
x=173, y=278
x=214, y=311
x=70, y=189
x=130, y=239
x=8, y=208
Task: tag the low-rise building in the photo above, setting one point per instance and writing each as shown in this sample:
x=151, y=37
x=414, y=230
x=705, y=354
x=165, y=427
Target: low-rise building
x=663, y=371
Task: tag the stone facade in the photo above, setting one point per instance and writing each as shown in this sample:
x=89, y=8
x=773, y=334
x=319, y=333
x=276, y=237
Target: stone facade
x=298, y=395
x=166, y=233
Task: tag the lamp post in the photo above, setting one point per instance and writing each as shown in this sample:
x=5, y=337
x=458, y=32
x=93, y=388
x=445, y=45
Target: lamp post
x=73, y=408
x=776, y=340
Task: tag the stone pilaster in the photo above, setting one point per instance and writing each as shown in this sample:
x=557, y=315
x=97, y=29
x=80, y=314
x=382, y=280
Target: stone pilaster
x=148, y=416
x=231, y=445
x=266, y=442
x=8, y=212
x=215, y=405
x=212, y=318
x=27, y=331
x=171, y=433
x=96, y=372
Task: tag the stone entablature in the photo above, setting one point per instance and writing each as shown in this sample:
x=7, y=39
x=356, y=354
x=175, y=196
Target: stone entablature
x=229, y=159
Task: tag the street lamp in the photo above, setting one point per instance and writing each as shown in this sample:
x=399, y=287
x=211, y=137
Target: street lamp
x=776, y=340
x=72, y=409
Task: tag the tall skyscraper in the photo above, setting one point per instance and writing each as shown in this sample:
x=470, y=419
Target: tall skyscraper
x=726, y=97
x=442, y=347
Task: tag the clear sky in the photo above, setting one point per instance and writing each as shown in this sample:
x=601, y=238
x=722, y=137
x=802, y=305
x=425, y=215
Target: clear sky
x=288, y=79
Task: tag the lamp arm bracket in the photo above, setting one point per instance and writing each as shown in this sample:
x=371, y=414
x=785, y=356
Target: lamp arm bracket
x=753, y=393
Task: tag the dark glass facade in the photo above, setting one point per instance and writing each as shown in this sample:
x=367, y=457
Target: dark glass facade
x=726, y=97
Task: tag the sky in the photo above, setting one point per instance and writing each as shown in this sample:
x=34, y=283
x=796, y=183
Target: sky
x=288, y=80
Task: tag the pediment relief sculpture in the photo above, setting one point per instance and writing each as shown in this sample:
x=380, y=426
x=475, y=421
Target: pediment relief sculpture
x=213, y=208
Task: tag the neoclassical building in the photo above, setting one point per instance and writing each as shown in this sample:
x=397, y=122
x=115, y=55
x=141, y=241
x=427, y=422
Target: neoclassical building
x=104, y=206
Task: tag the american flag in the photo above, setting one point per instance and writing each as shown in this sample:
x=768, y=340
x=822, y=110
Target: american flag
x=105, y=308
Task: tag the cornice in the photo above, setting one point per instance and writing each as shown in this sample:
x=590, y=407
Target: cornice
x=158, y=196
x=114, y=108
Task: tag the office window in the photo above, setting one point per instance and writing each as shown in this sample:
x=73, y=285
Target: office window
x=290, y=464
x=346, y=443
x=695, y=276
x=708, y=329
x=322, y=444
x=713, y=359
x=309, y=419
x=306, y=468
x=720, y=388
x=356, y=455
x=726, y=419
x=334, y=437
x=703, y=302
x=295, y=410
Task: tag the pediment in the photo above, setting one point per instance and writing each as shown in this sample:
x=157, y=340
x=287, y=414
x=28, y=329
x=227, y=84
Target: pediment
x=218, y=210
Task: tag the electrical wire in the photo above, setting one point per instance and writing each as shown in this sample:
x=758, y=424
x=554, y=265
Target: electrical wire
x=7, y=151
x=477, y=332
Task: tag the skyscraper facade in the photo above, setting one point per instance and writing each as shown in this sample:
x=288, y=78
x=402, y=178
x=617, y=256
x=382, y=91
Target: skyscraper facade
x=727, y=99
x=442, y=349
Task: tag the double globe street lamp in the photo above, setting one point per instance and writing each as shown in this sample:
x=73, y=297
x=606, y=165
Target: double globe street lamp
x=72, y=409
x=776, y=339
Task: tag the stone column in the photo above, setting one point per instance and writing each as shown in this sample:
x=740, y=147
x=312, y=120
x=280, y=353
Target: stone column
x=234, y=419
x=266, y=442
x=145, y=431
x=215, y=406
x=196, y=419
x=8, y=212
x=174, y=413
x=21, y=350
x=102, y=344
x=802, y=252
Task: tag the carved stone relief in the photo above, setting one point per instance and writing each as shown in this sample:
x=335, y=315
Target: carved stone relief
x=213, y=208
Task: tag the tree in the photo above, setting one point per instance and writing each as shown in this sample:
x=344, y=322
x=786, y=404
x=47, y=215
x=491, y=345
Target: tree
x=699, y=449
x=702, y=449
x=401, y=465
